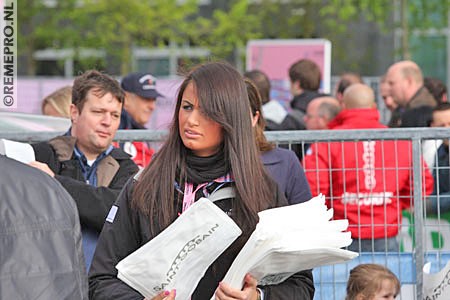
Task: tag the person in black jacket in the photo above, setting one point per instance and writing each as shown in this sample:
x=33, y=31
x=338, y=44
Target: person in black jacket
x=275, y=115
x=304, y=77
x=41, y=252
x=210, y=146
x=84, y=160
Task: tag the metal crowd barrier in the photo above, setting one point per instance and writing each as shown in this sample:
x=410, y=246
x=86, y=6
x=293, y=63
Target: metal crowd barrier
x=330, y=281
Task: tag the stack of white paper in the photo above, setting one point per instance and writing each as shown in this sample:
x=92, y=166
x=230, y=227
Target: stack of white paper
x=291, y=239
x=22, y=152
x=180, y=255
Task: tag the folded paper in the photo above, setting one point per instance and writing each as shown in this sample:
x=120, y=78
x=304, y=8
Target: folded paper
x=291, y=239
x=22, y=152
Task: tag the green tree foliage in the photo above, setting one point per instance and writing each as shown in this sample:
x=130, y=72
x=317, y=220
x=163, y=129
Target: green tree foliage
x=412, y=15
x=40, y=27
x=226, y=30
x=111, y=25
x=287, y=19
x=230, y=27
x=117, y=25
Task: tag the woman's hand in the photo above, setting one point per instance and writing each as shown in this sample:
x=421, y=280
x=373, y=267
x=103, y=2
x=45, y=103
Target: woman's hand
x=166, y=295
x=249, y=292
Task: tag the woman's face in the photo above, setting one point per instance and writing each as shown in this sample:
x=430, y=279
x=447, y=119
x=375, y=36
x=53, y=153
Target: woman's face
x=198, y=133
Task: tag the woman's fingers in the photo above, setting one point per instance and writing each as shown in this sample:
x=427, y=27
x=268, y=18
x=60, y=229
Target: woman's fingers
x=249, y=292
x=250, y=281
x=165, y=295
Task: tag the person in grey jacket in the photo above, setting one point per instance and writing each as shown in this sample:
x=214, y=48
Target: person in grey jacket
x=41, y=252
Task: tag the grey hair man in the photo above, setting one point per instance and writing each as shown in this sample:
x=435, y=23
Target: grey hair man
x=405, y=81
x=320, y=112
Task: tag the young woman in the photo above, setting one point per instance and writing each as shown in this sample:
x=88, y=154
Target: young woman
x=210, y=146
x=281, y=164
x=372, y=282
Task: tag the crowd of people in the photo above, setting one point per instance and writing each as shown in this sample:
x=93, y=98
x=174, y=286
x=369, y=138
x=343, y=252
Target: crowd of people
x=125, y=194
x=370, y=182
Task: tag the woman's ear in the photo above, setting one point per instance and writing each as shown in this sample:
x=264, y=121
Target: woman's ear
x=255, y=119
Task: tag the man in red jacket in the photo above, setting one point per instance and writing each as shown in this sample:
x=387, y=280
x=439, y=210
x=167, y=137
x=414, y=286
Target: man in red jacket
x=367, y=182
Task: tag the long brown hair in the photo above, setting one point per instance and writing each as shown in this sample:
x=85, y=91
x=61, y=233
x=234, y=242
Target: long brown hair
x=223, y=98
x=256, y=106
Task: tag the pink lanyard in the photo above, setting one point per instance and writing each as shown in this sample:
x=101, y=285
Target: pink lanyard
x=189, y=192
x=189, y=195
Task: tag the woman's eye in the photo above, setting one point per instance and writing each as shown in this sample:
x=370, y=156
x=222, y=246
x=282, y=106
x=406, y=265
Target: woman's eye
x=187, y=107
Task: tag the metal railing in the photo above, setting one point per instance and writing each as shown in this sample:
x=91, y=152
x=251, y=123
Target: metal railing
x=415, y=135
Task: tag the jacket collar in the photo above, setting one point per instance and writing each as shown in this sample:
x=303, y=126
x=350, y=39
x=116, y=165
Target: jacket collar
x=420, y=98
x=301, y=101
x=348, y=116
x=64, y=146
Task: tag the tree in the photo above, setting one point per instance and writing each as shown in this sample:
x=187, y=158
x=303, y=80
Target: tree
x=114, y=26
x=226, y=30
x=41, y=26
x=408, y=15
x=231, y=26
x=117, y=26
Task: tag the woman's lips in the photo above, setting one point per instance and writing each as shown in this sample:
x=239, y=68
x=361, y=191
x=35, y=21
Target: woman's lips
x=191, y=133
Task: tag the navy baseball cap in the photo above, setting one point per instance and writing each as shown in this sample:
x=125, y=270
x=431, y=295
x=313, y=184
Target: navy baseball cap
x=141, y=84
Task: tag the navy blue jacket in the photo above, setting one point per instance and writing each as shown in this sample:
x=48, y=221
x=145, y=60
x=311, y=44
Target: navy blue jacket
x=285, y=168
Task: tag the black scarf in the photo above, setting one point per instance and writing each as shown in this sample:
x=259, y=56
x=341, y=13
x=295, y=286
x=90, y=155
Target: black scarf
x=206, y=169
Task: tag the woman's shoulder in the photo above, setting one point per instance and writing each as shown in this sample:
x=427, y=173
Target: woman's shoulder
x=278, y=155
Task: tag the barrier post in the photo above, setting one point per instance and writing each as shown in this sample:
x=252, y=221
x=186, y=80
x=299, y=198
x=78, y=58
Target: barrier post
x=418, y=215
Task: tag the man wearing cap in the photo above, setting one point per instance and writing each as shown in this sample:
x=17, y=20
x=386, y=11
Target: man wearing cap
x=140, y=101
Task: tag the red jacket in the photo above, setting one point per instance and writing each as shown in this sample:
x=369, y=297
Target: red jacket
x=368, y=182
x=140, y=152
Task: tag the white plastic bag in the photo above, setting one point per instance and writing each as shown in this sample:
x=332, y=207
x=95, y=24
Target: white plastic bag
x=180, y=255
x=436, y=286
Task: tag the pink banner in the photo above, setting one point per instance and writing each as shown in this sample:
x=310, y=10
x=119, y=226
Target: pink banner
x=274, y=57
